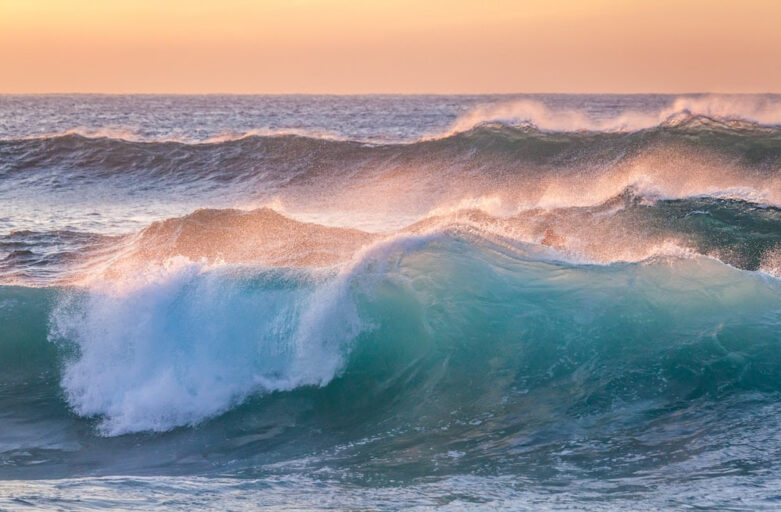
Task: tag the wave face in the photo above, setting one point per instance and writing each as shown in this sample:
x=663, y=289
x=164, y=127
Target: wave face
x=453, y=302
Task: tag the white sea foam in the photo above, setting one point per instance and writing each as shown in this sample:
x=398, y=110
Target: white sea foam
x=186, y=342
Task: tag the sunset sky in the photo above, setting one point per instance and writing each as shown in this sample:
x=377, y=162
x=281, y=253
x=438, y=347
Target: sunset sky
x=389, y=46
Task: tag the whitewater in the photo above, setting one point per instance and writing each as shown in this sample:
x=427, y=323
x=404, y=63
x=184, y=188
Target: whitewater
x=531, y=302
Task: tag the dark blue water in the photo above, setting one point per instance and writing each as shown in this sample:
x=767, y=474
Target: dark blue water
x=390, y=302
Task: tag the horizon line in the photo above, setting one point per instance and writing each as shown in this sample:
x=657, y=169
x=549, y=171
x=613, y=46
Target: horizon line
x=345, y=94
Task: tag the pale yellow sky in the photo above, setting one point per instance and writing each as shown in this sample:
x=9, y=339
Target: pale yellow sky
x=387, y=46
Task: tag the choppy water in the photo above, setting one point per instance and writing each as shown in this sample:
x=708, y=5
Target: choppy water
x=521, y=303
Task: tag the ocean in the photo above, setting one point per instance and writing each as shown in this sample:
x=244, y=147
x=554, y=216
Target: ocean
x=523, y=302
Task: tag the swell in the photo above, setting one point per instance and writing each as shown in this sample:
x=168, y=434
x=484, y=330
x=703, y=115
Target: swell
x=749, y=143
x=381, y=187
x=628, y=227
x=710, y=131
x=439, y=343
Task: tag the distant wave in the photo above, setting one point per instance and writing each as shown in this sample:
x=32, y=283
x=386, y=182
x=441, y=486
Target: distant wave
x=129, y=135
x=522, y=166
x=729, y=110
x=725, y=109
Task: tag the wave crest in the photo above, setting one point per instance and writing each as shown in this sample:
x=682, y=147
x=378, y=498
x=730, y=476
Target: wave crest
x=726, y=109
x=184, y=343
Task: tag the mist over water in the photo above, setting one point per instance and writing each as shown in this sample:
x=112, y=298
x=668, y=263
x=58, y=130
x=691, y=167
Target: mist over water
x=391, y=302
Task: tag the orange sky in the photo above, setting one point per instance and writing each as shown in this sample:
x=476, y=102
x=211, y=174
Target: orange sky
x=379, y=46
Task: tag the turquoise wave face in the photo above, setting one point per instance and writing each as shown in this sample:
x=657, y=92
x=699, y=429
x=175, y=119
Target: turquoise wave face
x=432, y=355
